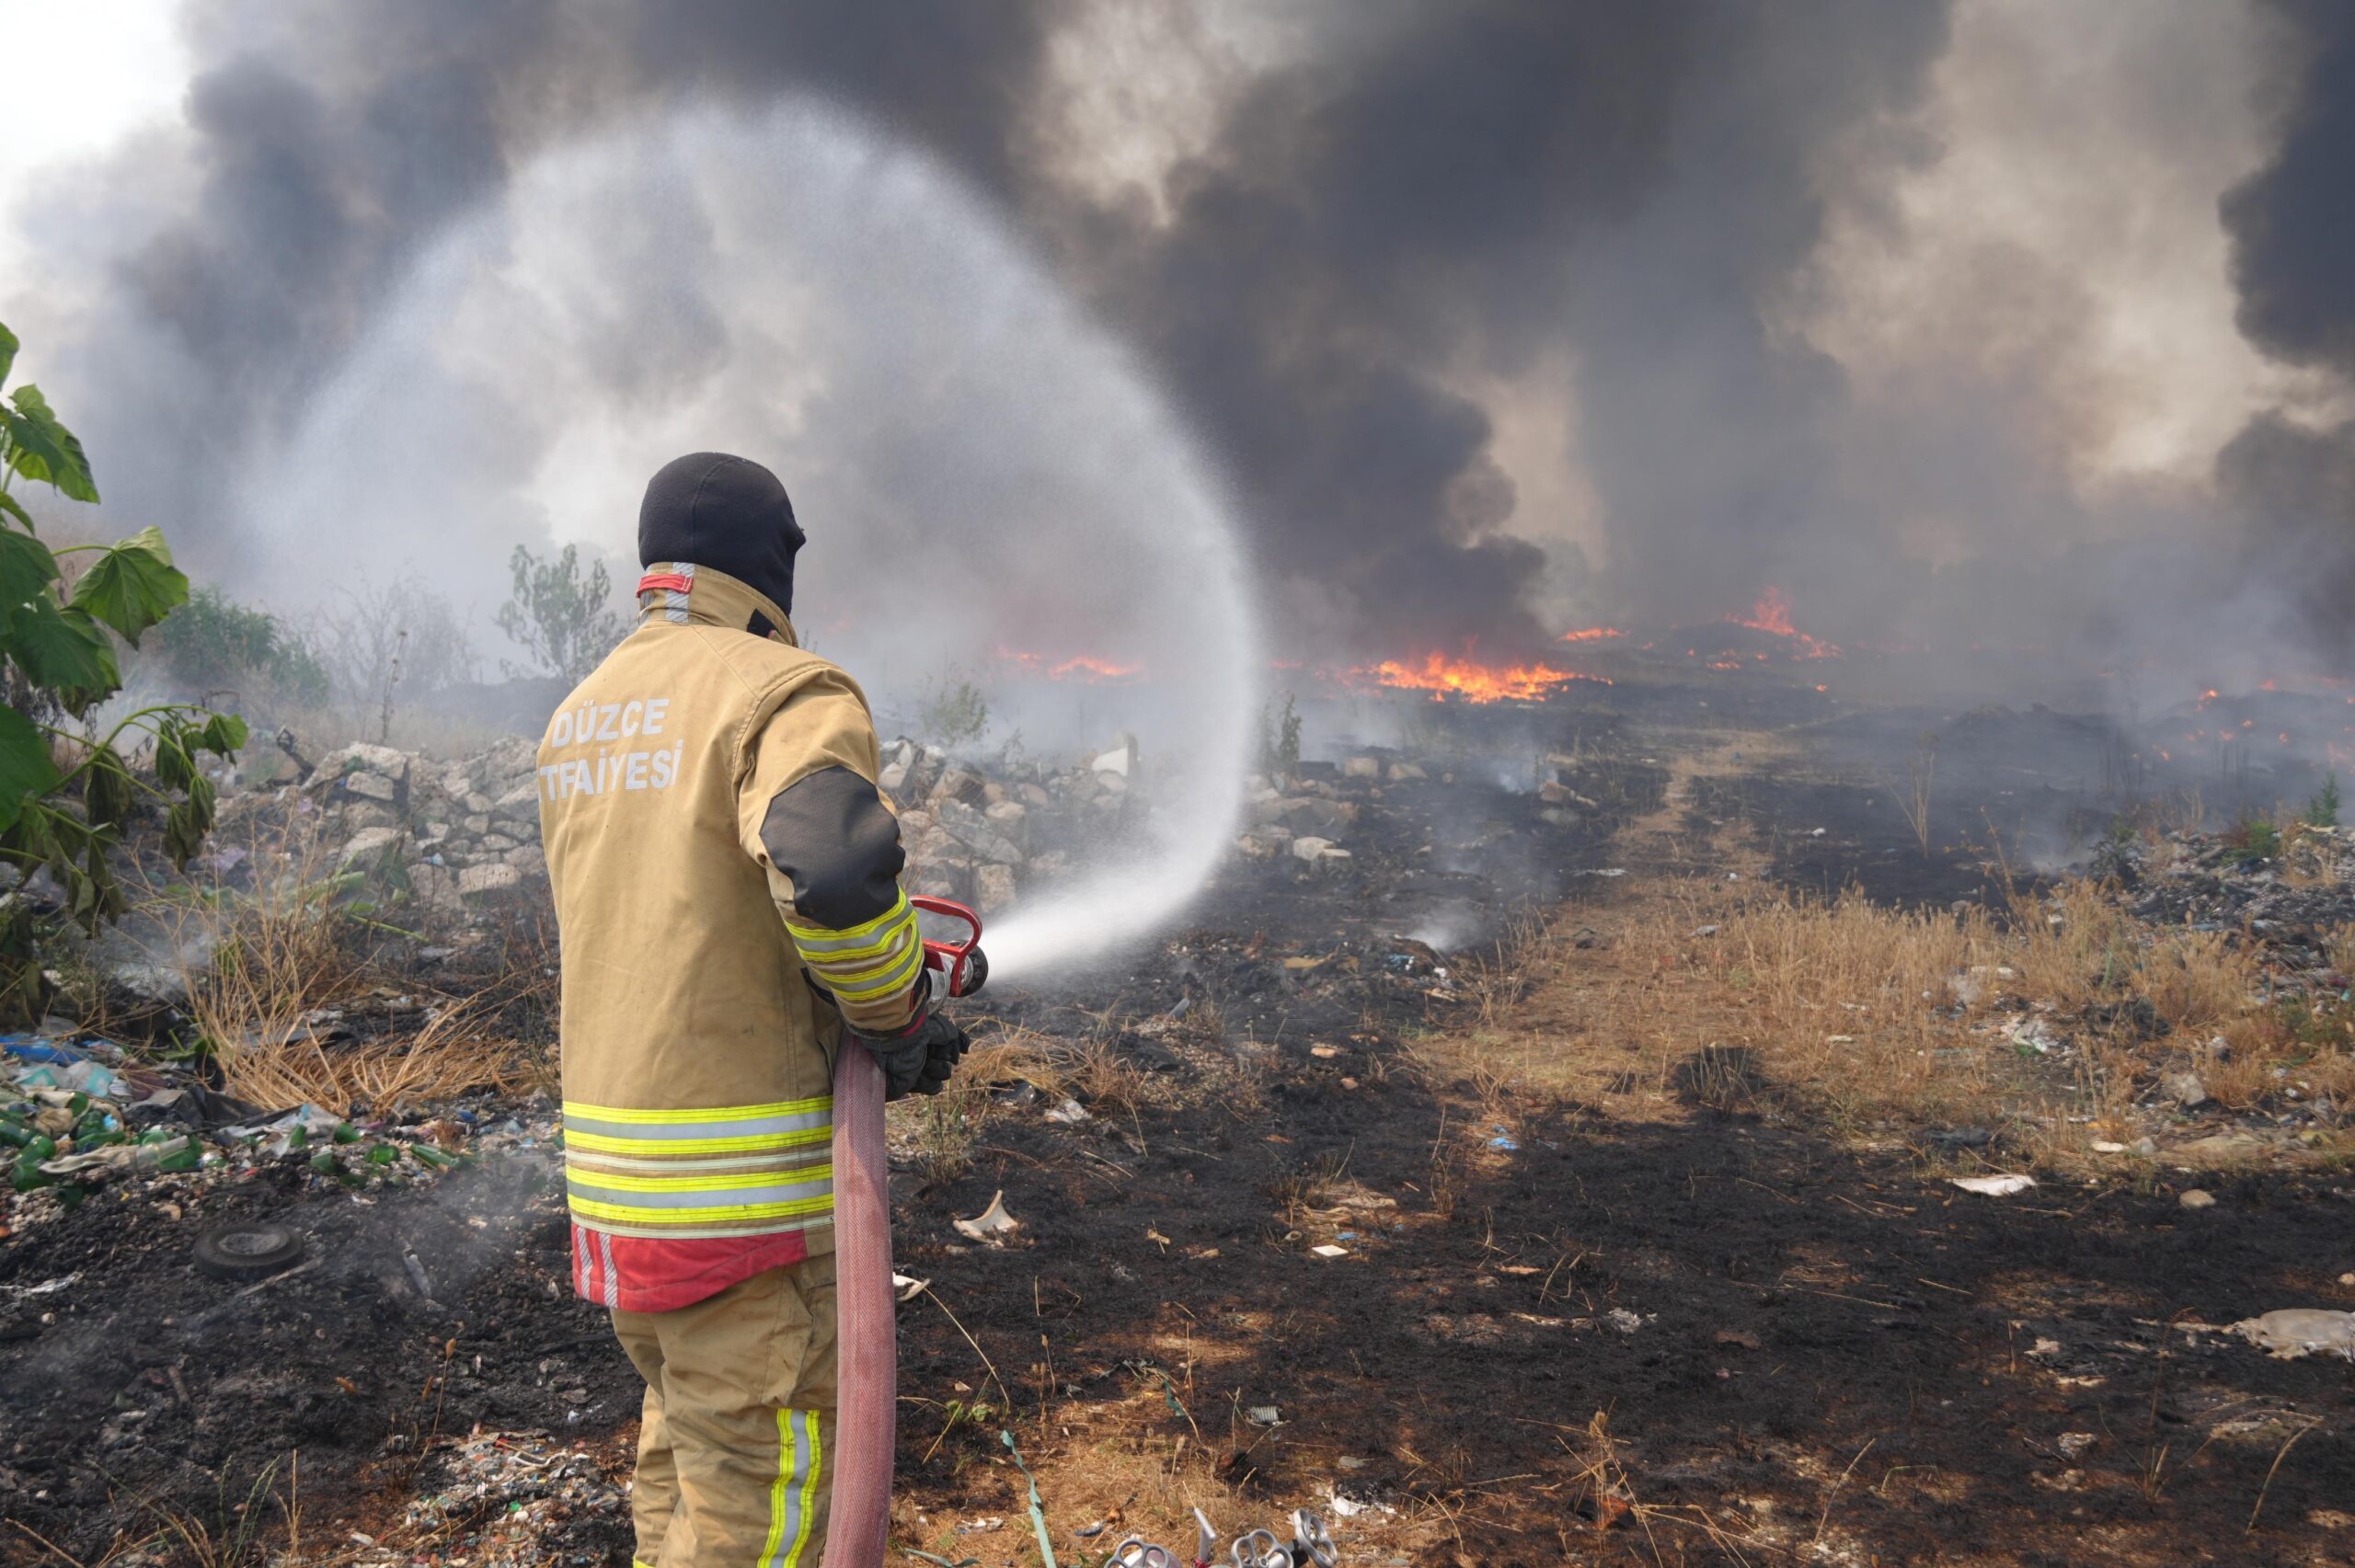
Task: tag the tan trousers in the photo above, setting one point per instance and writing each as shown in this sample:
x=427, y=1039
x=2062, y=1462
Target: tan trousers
x=734, y=1461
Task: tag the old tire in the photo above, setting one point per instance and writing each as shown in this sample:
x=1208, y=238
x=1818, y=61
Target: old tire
x=249, y=1249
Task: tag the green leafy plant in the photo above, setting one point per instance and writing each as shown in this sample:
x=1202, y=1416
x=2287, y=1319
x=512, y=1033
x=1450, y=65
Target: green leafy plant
x=2322, y=811
x=67, y=815
x=955, y=713
x=1280, y=738
x=2255, y=837
x=213, y=644
x=559, y=614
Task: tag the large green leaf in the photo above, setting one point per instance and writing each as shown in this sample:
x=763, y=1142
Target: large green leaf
x=133, y=585
x=44, y=449
x=107, y=788
x=26, y=771
x=8, y=346
x=15, y=508
x=65, y=650
x=223, y=735
x=27, y=568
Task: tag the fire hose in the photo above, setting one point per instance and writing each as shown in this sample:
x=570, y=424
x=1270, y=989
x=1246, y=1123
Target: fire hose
x=867, y=1351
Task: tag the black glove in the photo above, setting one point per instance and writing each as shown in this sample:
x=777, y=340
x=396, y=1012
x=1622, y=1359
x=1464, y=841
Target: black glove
x=919, y=1059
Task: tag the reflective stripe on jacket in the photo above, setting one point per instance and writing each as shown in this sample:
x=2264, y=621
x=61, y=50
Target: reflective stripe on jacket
x=708, y=801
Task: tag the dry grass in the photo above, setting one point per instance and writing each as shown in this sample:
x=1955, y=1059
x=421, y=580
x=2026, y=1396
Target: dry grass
x=445, y=1059
x=1878, y=1020
x=284, y=952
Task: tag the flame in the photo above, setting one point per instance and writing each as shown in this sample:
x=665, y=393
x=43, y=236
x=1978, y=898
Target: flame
x=1592, y=634
x=1080, y=667
x=1771, y=615
x=1445, y=677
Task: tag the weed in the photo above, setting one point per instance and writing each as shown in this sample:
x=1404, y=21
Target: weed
x=2255, y=837
x=955, y=713
x=2322, y=810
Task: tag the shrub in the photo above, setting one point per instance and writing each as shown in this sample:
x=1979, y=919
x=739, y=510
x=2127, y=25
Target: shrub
x=2322, y=811
x=213, y=644
x=60, y=664
x=559, y=613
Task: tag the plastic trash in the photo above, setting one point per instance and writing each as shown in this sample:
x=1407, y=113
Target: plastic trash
x=1994, y=1187
x=992, y=1225
x=2296, y=1332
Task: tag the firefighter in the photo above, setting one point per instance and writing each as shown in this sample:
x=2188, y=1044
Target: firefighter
x=726, y=876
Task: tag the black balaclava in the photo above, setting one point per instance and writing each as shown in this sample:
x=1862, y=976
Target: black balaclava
x=727, y=513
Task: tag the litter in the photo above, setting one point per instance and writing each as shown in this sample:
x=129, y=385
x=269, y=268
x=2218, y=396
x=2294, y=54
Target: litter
x=1992, y=1187
x=1328, y=1250
x=908, y=1289
x=2296, y=1332
x=1071, y=1113
x=1264, y=1415
x=992, y=1225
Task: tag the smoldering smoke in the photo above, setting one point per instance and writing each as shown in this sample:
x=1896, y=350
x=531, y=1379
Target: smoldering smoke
x=1367, y=219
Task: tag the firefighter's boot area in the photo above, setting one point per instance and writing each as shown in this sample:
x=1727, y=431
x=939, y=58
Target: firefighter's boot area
x=735, y=1459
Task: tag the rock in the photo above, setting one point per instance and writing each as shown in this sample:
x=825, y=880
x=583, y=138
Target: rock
x=435, y=886
x=371, y=786
x=368, y=842
x=368, y=814
x=1407, y=772
x=2195, y=1199
x=956, y=783
x=1309, y=849
x=2186, y=1089
x=1314, y=814
x=1265, y=842
x=475, y=826
x=478, y=880
x=1362, y=768
x=521, y=803
x=477, y=804
x=529, y=859
x=993, y=887
x=893, y=776
x=1121, y=758
x=2223, y=1146
x=360, y=756
x=978, y=834
x=1035, y=797
x=497, y=843
x=1008, y=816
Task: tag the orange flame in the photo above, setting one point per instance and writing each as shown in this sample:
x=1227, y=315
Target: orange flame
x=1445, y=677
x=1592, y=634
x=1080, y=667
x=1771, y=615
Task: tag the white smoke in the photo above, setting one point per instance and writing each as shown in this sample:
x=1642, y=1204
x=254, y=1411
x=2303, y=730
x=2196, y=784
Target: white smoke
x=981, y=469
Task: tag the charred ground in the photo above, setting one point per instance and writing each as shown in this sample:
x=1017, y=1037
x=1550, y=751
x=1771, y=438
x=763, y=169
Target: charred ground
x=1618, y=1325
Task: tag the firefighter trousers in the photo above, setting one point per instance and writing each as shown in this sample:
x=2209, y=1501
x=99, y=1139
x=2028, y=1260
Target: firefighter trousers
x=734, y=1460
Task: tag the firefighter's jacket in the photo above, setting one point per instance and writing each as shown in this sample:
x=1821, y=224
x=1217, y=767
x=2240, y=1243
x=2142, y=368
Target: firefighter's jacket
x=718, y=852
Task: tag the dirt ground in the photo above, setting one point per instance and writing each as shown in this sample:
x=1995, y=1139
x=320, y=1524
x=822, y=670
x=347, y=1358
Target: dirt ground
x=1606, y=1327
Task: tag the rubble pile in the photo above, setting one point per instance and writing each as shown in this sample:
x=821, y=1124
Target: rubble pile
x=456, y=833
x=982, y=833
x=2289, y=891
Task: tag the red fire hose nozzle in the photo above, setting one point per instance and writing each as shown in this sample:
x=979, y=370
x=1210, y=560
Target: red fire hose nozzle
x=963, y=966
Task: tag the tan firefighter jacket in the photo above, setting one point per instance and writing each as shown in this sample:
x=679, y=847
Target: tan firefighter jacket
x=719, y=850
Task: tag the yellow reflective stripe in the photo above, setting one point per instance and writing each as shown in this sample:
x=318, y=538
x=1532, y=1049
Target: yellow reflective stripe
x=777, y=1488
x=809, y=1488
x=820, y=953
x=604, y=1143
x=830, y=936
x=678, y=1217
x=794, y=1175
x=901, y=975
x=700, y=1113
x=856, y=969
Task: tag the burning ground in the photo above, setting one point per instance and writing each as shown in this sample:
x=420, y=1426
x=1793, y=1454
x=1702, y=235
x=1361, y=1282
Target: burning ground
x=1517, y=1157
